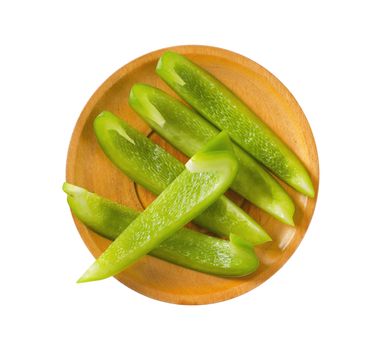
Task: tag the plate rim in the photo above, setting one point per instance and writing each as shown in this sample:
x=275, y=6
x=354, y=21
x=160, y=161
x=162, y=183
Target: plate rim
x=106, y=85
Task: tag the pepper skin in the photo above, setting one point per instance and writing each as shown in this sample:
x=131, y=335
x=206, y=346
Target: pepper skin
x=220, y=106
x=187, y=248
x=188, y=132
x=208, y=174
x=152, y=167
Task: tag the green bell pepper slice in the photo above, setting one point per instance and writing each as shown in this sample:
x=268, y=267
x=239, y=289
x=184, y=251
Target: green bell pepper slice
x=188, y=132
x=207, y=175
x=152, y=167
x=187, y=248
x=220, y=106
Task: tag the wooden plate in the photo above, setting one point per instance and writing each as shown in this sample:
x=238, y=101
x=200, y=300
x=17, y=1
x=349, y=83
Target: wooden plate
x=87, y=166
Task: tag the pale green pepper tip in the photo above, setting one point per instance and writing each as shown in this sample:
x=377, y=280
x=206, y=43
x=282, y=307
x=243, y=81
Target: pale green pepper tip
x=92, y=274
x=82, y=279
x=166, y=63
x=304, y=185
x=167, y=58
x=216, y=155
x=285, y=214
x=161, y=60
x=72, y=190
x=220, y=144
x=307, y=188
x=107, y=121
x=137, y=88
x=103, y=114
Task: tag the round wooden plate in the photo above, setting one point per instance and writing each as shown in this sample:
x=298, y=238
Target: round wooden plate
x=87, y=166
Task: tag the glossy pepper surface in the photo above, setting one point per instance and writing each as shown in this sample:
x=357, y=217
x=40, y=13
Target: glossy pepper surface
x=207, y=175
x=188, y=132
x=152, y=167
x=220, y=106
x=187, y=248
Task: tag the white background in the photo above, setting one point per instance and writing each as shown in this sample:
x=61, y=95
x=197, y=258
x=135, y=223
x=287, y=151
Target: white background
x=54, y=55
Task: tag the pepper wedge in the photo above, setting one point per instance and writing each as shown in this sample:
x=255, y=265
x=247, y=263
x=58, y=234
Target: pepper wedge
x=220, y=106
x=152, y=167
x=187, y=248
x=188, y=132
x=208, y=174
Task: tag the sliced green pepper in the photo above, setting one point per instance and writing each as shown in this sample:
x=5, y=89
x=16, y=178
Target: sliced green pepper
x=188, y=132
x=187, y=248
x=226, y=111
x=152, y=167
x=208, y=174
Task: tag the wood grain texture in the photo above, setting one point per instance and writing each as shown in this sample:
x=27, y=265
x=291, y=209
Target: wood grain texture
x=87, y=166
